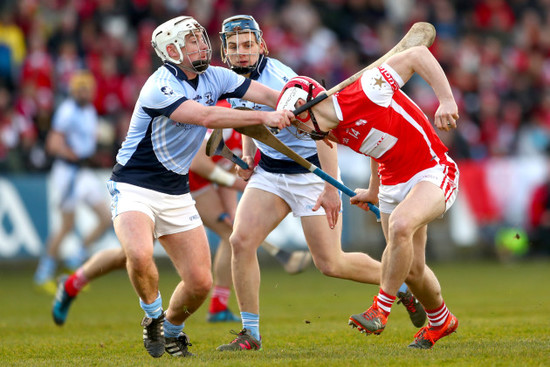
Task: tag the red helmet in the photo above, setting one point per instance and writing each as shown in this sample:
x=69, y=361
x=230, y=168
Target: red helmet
x=299, y=87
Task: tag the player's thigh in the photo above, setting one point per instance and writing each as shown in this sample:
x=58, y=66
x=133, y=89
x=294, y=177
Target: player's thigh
x=258, y=213
x=229, y=199
x=323, y=242
x=134, y=231
x=424, y=203
x=189, y=252
x=209, y=206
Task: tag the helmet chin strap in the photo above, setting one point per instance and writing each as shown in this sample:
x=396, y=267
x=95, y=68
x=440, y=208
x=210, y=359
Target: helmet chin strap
x=200, y=65
x=243, y=70
x=317, y=134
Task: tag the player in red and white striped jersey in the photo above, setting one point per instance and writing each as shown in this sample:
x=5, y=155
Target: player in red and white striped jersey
x=413, y=179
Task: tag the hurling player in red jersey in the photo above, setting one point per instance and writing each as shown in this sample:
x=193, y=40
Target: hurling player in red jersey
x=413, y=179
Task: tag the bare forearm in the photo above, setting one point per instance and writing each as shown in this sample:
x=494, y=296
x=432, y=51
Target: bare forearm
x=374, y=181
x=220, y=117
x=249, y=148
x=420, y=60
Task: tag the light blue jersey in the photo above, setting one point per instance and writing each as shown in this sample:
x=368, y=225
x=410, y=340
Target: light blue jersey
x=79, y=126
x=157, y=151
x=274, y=74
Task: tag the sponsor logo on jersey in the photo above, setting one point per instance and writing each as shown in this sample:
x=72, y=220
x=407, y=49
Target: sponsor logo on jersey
x=167, y=90
x=377, y=143
x=209, y=99
x=389, y=78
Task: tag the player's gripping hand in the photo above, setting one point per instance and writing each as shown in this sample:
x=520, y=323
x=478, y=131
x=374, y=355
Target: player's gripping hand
x=278, y=119
x=246, y=173
x=363, y=197
x=446, y=115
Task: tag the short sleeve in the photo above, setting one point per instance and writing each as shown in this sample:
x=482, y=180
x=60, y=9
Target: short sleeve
x=379, y=84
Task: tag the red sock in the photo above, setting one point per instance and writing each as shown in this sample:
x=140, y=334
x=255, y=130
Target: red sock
x=75, y=283
x=438, y=316
x=220, y=297
x=385, y=301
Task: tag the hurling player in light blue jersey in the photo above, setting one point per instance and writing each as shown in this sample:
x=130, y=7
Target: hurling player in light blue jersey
x=278, y=186
x=72, y=141
x=149, y=183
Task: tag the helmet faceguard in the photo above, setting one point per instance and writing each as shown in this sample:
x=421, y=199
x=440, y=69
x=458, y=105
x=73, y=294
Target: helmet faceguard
x=305, y=88
x=177, y=32
x=241, y=26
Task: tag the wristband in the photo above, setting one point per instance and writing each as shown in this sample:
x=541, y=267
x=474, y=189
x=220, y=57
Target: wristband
x=222, y=177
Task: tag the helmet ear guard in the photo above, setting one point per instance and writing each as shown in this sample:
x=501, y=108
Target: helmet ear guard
x=174, y=32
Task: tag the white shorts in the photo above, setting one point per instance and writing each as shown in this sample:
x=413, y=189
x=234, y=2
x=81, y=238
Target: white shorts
x=170, y=213
x=75, y=184
x=444, y=175
x=300, y=191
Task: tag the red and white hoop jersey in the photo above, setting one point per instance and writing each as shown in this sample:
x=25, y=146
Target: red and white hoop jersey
x=234, y=142
x=378, y=120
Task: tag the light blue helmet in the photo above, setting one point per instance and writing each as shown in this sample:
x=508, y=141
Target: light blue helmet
x=241, y=24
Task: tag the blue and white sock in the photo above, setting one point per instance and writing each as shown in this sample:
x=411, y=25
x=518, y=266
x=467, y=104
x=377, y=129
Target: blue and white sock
x=171, y=330
x=153, y=310
x=251, y=322
x=403, y=288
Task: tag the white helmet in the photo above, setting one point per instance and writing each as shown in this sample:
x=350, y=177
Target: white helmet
x=173, y=32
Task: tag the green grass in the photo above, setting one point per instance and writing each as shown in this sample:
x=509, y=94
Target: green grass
x=504, y=313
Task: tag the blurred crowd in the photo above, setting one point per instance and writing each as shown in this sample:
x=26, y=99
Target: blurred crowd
x=496, y=54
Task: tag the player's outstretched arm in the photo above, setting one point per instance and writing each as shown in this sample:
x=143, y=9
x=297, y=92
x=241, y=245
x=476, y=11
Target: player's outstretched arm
x=214, y=117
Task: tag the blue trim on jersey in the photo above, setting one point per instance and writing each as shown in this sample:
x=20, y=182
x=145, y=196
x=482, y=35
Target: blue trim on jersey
x=285, y=166
x=255, y=74
x=177, y=72
x=167, y=111
x=239, y=92
x=158, y=151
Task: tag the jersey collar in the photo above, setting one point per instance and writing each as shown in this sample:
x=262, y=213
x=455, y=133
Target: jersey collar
x=255, y=74
x=178, y=73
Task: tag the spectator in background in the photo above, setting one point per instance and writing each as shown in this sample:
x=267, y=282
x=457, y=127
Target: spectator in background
x=72, y=141
x=12, y=48
x=17, y=135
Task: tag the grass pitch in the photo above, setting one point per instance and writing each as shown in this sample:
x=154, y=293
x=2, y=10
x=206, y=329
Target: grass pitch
x=503, y=310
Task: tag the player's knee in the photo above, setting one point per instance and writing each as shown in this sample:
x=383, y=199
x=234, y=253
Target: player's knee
x=416, y=272
x=400, y=229
x=201, y=285
x=140, y=261
x=238, y=243
x=328, y=267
